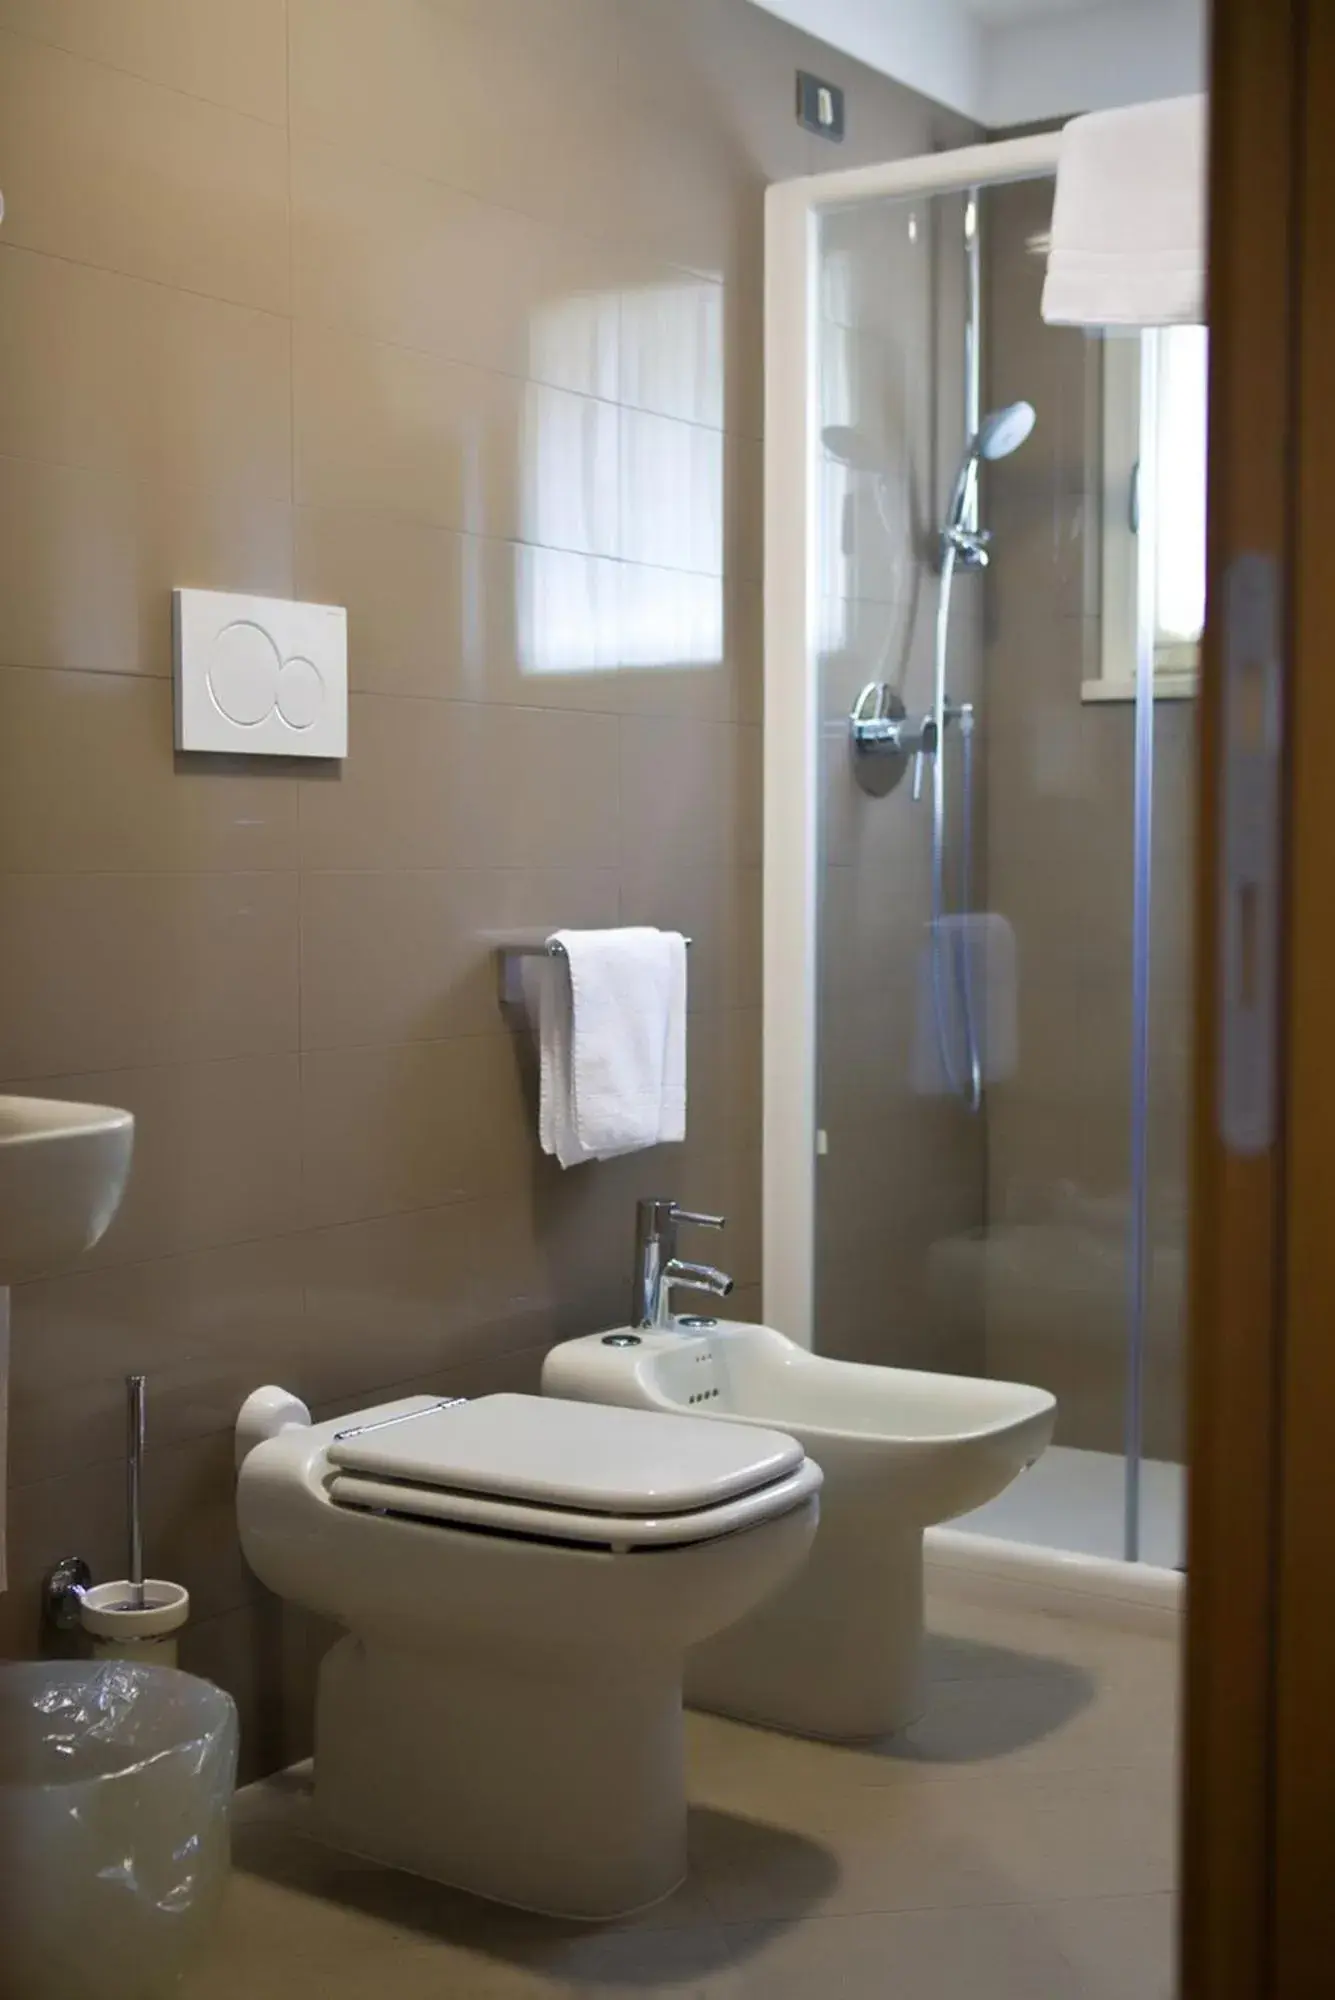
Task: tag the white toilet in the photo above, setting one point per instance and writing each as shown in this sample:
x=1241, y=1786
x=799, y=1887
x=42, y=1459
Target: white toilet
x=837, y=1653
x=520, y=1580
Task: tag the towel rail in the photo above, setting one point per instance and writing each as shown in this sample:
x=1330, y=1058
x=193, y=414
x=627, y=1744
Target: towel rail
x=510, y=956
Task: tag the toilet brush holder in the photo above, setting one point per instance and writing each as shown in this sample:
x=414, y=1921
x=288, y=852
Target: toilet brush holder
x=120, y=1629
x=137, y=1617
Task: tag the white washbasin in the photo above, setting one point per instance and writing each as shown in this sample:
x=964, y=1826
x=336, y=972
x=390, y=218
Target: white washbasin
x=63, y=1169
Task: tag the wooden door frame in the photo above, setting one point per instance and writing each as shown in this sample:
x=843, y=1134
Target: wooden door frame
x=1258, y=1902
x=1304, y=1785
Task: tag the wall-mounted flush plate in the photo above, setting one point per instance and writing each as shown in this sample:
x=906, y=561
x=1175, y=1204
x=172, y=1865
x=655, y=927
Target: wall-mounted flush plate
x=820, y=106
x=260, y=676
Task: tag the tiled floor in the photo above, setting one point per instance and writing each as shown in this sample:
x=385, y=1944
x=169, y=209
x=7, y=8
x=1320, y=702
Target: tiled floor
x=1016, y=1845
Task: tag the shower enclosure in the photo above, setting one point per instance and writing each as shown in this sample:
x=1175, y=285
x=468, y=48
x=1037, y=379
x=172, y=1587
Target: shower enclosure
x=984, y=560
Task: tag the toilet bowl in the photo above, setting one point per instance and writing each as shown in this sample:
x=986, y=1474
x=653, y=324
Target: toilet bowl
x=519, y=1580
x=837, y=1652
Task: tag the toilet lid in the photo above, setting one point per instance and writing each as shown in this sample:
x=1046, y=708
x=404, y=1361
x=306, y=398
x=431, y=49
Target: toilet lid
x=592, y=1458
x=431, y=1506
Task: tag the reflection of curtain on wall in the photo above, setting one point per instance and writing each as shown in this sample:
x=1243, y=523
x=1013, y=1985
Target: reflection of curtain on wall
x=623, y=487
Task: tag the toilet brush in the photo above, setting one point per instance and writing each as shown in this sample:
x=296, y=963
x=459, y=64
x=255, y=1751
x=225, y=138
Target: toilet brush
x=135, y=1387
x=138, y=1617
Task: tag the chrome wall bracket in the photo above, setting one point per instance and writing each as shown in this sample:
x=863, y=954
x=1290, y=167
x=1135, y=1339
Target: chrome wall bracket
x=63, y=1592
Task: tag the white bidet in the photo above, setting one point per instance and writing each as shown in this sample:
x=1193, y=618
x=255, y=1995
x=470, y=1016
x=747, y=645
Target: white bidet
x=837, y=1652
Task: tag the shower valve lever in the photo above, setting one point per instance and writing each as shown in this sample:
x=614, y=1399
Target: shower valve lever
x=896, y=735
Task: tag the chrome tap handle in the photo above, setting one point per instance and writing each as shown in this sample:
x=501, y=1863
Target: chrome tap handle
x=929, y=745
x=700, y=1221
x=695, y=1278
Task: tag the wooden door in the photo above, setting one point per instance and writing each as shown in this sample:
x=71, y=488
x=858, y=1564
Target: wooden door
x=1258, y=1904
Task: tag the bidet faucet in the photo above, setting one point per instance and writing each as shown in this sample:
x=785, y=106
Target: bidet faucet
x=658, y=1269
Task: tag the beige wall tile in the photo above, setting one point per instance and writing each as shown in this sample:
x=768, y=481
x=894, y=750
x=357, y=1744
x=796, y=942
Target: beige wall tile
x=108, y=372
x=419, y=597
x=87, y=782
x=703, y=211
x=406, y=1295
x=235, y=55
x=744, y=506
x=435, y=612
x=871, y=924
x=106, y=169
x=720, y=70
x=206, y=1328
x=518, y=1373
x=728, y=1185
x=424, y=265
x=725, y=1112
x=46, y=1520
x=701, y=86
x=455, y=784
x=696, y=793
x=88, y=562
x=528, y=85
x=408, y=432
x=411, y=956
x=186, y=968
x=385, y=1129
x=216, y=1152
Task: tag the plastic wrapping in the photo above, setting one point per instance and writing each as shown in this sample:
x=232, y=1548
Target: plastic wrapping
x=115, y=1782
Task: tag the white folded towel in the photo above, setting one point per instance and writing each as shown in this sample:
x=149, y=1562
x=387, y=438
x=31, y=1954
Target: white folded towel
x=1128, y=222
x=612, y=1043
x=968, y=994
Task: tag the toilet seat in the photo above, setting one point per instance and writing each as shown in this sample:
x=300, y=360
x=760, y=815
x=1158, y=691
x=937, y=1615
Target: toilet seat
x=554, y=1524
x=566, y=1472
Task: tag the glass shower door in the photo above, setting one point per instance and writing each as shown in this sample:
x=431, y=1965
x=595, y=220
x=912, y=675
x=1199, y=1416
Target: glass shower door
x=1036, y=1234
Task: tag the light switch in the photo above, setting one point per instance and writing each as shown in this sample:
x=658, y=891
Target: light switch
x=260, y=676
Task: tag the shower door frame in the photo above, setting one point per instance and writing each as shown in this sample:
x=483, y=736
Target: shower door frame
x=792, y=738
x=792, y=718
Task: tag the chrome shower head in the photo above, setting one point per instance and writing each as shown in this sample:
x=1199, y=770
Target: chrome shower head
x=999, y=434
x=1003, y=431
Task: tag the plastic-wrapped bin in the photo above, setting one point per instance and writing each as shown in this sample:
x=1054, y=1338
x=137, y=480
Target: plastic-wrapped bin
x=115, y=1783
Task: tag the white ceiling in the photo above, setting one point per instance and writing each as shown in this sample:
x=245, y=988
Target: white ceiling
x=1011, y=62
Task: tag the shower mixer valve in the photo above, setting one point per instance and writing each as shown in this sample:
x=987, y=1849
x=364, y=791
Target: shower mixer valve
x=881, y=728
